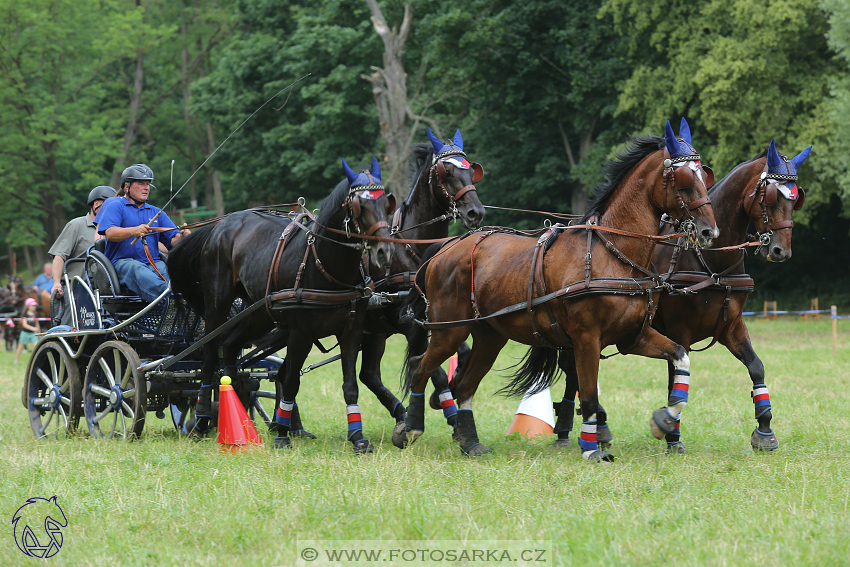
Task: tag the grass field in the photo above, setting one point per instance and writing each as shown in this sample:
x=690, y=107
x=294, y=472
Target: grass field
x=165, y=500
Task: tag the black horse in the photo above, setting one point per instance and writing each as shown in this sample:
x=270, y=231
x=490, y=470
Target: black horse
x=442, y=190
x=316, y=263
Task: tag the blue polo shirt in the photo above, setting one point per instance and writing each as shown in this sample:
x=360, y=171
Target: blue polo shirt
x=123, y=213
x=102, y=208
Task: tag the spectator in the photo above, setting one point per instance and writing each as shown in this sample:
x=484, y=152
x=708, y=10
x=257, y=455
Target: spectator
x=29, y=327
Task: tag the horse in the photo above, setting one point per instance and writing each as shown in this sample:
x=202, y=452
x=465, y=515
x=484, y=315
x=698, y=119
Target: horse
x=253, y=254
x=762, y=191
x=443, y=189
x=489, y=284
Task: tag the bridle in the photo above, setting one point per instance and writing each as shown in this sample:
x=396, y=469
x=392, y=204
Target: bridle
x=765, y=193
x=679, y=174
x=437, y=177
x=352, y=206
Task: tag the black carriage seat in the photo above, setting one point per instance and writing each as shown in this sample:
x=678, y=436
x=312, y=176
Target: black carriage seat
x=115, y=297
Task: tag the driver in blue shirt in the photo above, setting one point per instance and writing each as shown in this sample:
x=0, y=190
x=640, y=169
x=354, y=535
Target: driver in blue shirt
x=130, y=217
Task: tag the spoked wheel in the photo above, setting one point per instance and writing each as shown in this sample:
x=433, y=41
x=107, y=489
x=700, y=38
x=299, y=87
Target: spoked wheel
x=264, y=404
x=53, y=391
x=114, y=392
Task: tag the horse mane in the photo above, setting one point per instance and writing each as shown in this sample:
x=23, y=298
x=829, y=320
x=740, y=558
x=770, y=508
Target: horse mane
x=421, y=157
x=333, y=202
x=716, y=187
x=637, y=148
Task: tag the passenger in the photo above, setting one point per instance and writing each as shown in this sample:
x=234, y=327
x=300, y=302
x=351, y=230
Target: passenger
x=130, y=218
x=44, y=282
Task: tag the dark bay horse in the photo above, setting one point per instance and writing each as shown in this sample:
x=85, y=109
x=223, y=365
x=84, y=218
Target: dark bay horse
x=443, y=189
x=311, y=273
x=762, y=192
x=485, y=285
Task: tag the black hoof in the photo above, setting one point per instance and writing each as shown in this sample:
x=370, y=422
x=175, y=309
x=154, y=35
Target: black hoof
x=764, y=441
x=434, y=401
x=661, y=423
x=282, y=443
x=199, y=427
x=604, y=437
x=676, y=448
x=302, y=434
x=562, y=443
x=362, y=446
x=598, y=457
x=476, y=450
x=403, y=435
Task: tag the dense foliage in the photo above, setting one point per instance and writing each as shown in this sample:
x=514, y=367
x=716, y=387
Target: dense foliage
x=542, y=91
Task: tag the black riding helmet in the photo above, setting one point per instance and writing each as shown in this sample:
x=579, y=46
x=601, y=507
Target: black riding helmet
x=137, y=172
x=101, y=192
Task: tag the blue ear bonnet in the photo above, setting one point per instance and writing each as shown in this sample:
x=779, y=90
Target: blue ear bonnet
x=370, y=179
x=681, y=146
x=441, y=150
x=775, y=163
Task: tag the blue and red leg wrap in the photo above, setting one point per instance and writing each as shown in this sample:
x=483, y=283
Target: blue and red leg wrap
x=355, y=421
x=681, y=384
x=283, y=415
x=761, y=399
x=587, y=438
x=447, y=402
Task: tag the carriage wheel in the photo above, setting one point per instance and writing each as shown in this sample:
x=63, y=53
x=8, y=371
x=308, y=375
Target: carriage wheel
x=53, y=391
x=264, y=404
x=114, y=392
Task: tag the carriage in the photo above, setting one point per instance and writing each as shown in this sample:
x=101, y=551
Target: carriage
x=122, y=359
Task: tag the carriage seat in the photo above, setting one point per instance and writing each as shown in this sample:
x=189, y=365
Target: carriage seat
x=115, y=297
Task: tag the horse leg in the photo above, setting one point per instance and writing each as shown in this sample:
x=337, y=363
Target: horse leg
x=443, y=343
x=586, y=354
x=297, y=348
x=665, y=420
x=443, y=396
x=349, y=345
x=736, y=338
x=565, y=409
x=487, y=343
x=370, y=374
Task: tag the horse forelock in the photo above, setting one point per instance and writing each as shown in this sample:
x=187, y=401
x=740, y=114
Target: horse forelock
x=618, y=168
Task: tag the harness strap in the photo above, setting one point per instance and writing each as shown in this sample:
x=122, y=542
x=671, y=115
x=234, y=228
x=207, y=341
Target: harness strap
x=278, y=252
x=472, y=271
x=150, y=259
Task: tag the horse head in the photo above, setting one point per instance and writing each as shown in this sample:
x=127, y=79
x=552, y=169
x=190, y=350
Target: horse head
x=455, y=178
x=771, y=214
x=368, y=207
x=683, y=192
x=37, y=527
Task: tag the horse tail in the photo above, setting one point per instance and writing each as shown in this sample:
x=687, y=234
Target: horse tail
x=414, y=309
x=534, y=373
x=184, y=266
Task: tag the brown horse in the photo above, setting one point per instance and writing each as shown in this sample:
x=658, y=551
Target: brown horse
x=717, y=285
x=598, y=273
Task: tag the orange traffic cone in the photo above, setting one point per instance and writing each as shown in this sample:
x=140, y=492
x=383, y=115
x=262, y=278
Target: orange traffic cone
x=534, y=416
x=452, y=368
x=236, y=431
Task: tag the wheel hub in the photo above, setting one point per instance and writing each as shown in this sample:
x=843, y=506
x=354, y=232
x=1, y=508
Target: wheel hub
x=115, y=397
x=54, y=397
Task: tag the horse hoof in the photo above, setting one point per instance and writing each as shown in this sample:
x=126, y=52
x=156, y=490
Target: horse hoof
x=362, y=446
x=764, y=441
x=676, y=448
x=562, y=443
x=282, y=443
x=302, y=434
x=604, y=437
x=662, y=423
x=404, y=436
x=598, y=457
x=434, y=401
x=476, y=450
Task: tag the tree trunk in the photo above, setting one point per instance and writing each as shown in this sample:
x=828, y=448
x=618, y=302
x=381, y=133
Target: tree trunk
x=389, y=87
x=187, y=119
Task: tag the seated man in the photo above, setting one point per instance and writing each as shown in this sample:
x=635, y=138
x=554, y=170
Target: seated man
x=74, y=241
x=44, y=282
x=133, y=229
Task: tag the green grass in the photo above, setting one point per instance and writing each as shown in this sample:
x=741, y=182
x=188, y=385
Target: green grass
x=166, y=500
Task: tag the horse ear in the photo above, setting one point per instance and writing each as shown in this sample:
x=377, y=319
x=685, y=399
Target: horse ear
x=349, y=173
x=685, y=131
x=670, y=140
x=376, y=169
x=773, y=159
x=435, y=142
x=801, y=157
x=458, y=140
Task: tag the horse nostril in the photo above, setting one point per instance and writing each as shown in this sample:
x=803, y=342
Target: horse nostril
x=778, y=252
x=708, y=233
